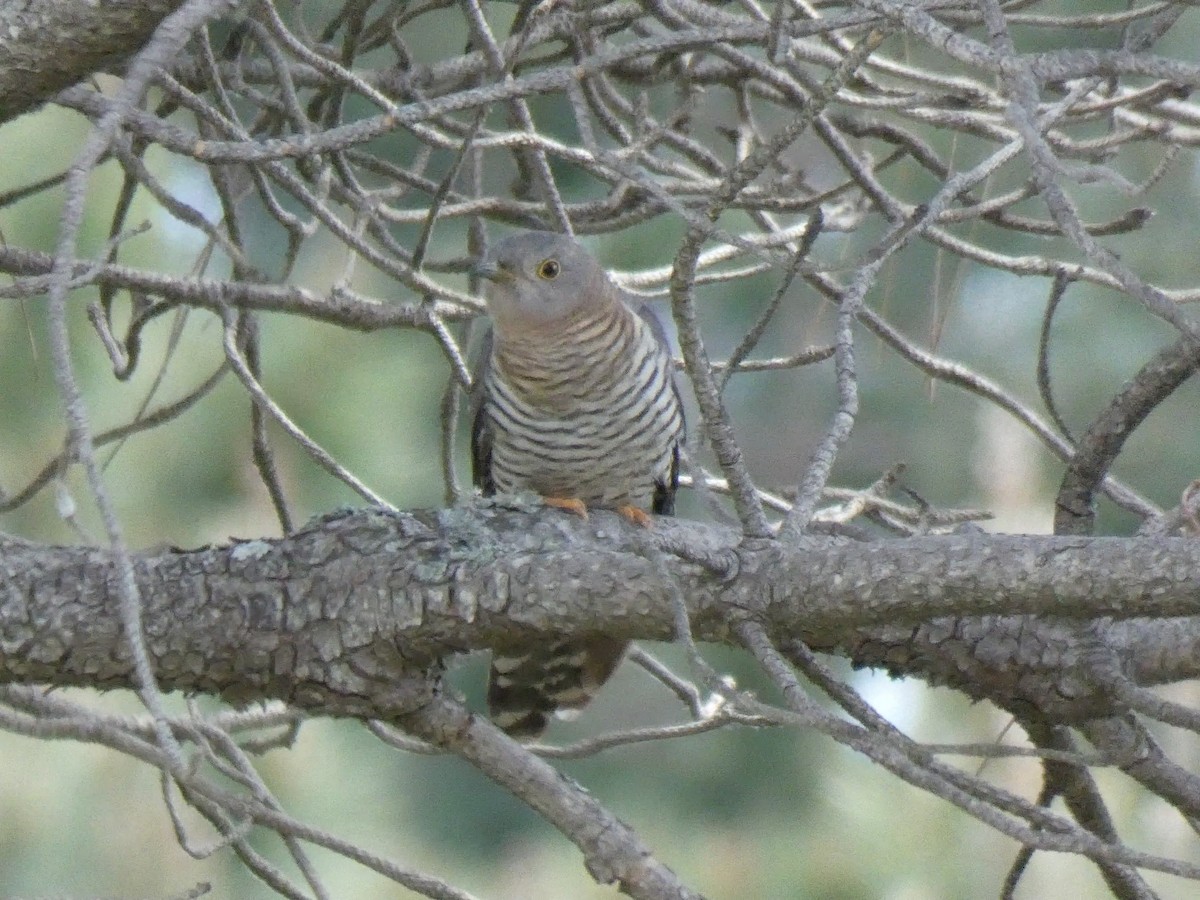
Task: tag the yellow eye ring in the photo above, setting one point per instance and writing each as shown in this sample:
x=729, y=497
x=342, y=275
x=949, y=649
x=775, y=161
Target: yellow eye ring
x=548, y=269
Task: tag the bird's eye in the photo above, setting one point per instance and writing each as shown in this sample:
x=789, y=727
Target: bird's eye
x=548, y=269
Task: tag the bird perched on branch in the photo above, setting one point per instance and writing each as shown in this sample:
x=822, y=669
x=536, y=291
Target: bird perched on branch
x=576, y=402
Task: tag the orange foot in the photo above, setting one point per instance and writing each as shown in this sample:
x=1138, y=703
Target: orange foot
x=570, y=504
x=636, y=516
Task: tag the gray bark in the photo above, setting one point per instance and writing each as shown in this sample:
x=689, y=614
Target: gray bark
x=48, y=45
x=348, y=616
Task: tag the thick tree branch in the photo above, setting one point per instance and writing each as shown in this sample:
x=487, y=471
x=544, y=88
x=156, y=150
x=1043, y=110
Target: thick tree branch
x=48, y=45
x=345, y=616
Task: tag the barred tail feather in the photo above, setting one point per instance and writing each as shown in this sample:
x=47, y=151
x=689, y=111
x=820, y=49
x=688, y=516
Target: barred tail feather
x=525, y=690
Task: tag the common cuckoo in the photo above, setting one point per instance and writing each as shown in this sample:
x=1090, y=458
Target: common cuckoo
x=577, y=402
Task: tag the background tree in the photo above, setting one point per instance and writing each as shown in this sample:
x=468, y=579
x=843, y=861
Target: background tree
x=929, y=265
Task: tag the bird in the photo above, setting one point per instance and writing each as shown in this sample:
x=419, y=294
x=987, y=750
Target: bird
x=575, y=400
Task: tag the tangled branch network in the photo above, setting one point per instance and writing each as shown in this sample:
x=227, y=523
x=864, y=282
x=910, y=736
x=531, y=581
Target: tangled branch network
x=774, y=171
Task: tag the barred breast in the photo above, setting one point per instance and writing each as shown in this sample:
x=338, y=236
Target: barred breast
x=590, y=414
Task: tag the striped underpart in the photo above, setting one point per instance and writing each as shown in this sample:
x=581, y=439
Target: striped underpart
x=586, y=412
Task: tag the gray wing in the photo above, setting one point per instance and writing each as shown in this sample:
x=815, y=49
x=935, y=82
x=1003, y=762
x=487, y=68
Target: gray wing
x=481, y=426
x=651, y=317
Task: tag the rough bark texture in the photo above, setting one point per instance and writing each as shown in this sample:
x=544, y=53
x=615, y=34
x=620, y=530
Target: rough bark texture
x=347, y=616
x=48, y=45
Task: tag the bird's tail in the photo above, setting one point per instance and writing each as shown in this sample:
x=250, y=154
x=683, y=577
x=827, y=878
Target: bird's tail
x=525, y=690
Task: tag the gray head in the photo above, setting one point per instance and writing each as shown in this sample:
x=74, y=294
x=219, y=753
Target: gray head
x=539, y=279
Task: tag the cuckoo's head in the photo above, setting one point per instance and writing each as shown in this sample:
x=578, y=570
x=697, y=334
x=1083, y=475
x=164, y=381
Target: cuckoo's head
x=539, y=279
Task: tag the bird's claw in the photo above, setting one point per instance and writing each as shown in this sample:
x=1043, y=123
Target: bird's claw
x=637, y=516
x=570, y=504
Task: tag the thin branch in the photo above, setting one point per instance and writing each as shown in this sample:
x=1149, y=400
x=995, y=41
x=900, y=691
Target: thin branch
x=1099, y=446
